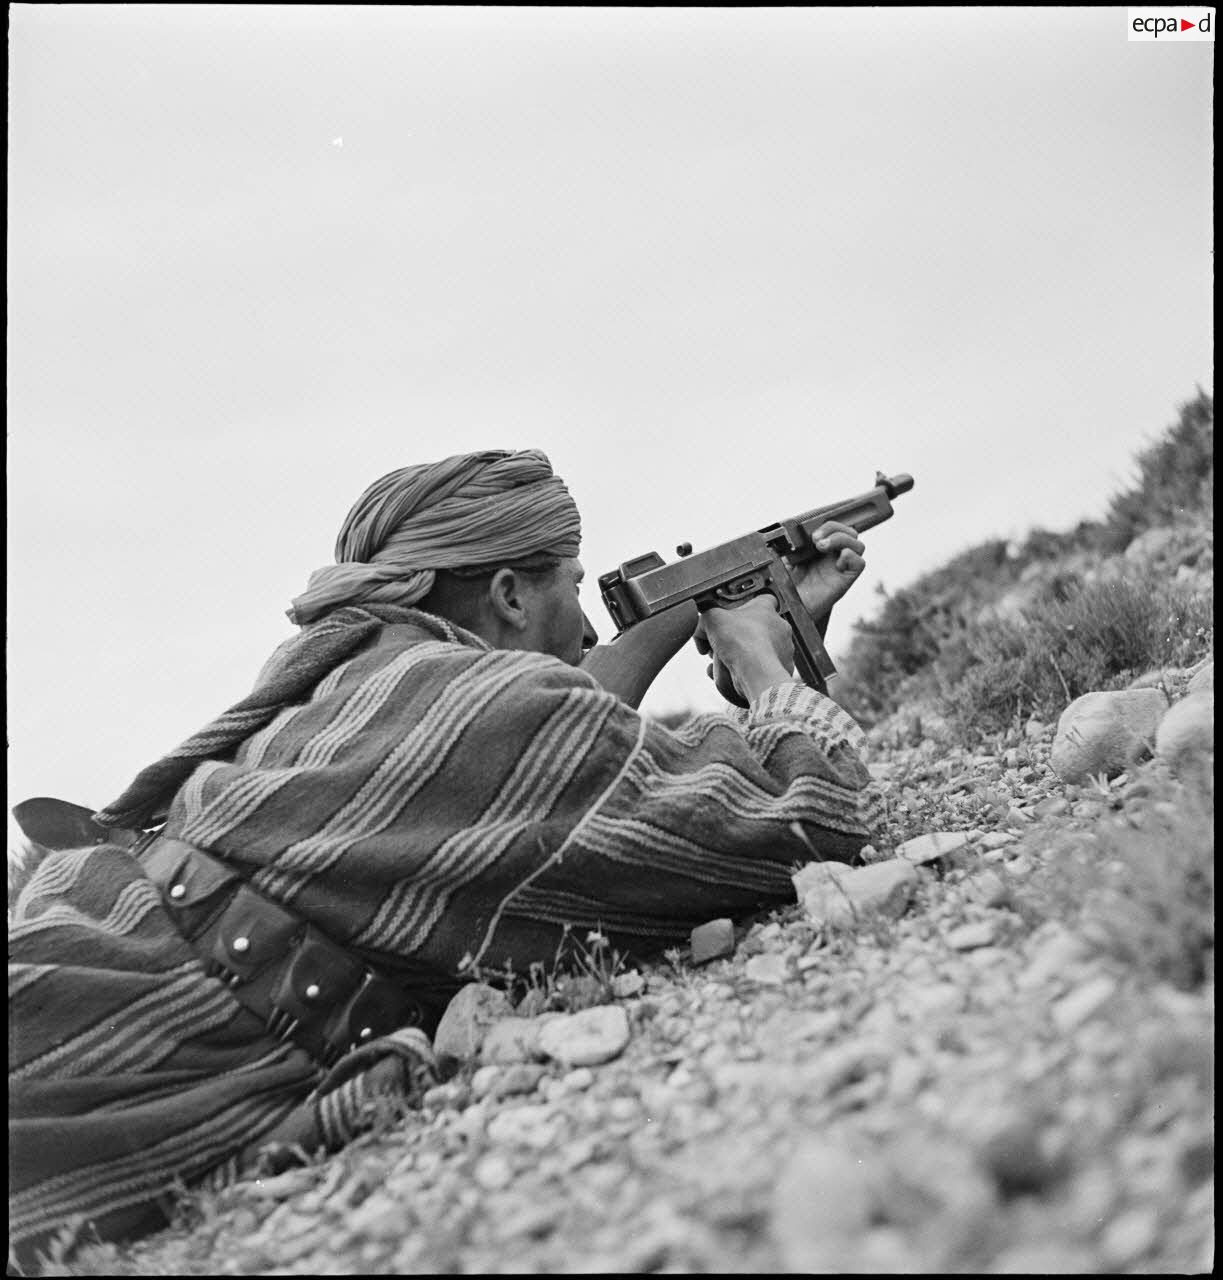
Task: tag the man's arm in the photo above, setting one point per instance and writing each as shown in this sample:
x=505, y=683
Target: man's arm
x=629, y=665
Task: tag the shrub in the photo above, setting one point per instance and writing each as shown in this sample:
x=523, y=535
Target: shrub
x=1079, y=637
x=917, y=623
x=927, y=643
x=1175, y=475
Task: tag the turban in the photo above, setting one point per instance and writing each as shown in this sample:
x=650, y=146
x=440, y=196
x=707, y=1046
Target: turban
x=471, y=509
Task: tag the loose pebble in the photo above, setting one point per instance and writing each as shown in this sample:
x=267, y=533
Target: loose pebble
x=588, y=1037
x=932, y=846
x=980, y=933
x=1072, y=1010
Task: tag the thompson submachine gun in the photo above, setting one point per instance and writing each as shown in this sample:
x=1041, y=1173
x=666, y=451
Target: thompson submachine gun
x=747, y=566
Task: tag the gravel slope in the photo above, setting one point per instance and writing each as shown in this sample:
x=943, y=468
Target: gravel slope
x=968, y=1088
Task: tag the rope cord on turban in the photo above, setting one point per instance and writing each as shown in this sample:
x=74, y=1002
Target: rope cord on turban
x=471, y=509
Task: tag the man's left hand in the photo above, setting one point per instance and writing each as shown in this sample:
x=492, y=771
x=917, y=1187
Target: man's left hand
x=822, y=581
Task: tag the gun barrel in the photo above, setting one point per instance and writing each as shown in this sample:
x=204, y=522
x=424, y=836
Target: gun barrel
x=861, y=513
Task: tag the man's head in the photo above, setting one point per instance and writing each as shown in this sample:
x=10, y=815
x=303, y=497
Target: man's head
x=488, y=540
x=525, y=604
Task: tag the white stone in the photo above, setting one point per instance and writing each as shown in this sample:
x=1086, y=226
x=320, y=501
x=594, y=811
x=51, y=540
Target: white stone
x=883, y=888
x=627, y=985
x=1187, y=732
x=586, y=1038
x=467, y=1017
x=713, y=940
x=1106, y=732
x=511, y=1040
x=940, y=997
x=769, y=969
x=818, y=875
x=493, y=1171
x=1203, y=679
x=932, y=846
x=996, y=839
x=483, y=1081
x=977, y=933
x=578, y=1081
x=1072, y=1010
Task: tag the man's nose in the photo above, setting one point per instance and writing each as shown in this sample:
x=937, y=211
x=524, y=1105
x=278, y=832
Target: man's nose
x=590, y=637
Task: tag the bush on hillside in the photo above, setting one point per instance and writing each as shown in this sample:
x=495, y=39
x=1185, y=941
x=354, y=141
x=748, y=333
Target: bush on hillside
x=1078, y=638
x=1175, y=476
x=916, y=624
x=934, y=639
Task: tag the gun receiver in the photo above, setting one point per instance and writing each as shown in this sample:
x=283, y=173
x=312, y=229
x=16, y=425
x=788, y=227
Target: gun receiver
x=746, y=566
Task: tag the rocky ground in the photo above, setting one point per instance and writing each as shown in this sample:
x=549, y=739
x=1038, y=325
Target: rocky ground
x=953, y=1079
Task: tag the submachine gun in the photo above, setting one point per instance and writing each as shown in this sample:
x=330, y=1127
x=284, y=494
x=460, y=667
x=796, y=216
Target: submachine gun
x=747, y=566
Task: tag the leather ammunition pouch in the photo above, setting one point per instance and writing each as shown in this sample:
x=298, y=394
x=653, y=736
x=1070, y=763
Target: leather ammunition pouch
x=301, y=984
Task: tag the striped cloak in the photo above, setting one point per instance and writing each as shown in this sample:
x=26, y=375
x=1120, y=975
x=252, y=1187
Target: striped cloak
x=438, y=806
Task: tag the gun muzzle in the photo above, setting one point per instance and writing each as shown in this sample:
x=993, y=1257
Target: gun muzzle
x=893, y=486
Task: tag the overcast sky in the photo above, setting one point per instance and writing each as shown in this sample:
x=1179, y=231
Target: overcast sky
x=721, y=264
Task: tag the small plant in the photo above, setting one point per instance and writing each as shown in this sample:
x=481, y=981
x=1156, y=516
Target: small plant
x=580, y=975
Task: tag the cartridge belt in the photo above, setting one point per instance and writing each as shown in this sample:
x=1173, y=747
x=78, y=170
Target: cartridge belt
x=303, y=986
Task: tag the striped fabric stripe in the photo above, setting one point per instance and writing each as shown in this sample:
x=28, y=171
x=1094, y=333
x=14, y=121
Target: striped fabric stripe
x=427, y=797
x=95, y=1190
x=22, y=976
x=411, y=763
x=131, y=906
x=529, y=793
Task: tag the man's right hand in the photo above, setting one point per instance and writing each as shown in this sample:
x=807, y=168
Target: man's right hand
x=751, y=645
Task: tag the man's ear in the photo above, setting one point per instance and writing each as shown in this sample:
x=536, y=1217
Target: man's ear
x=506, y=599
